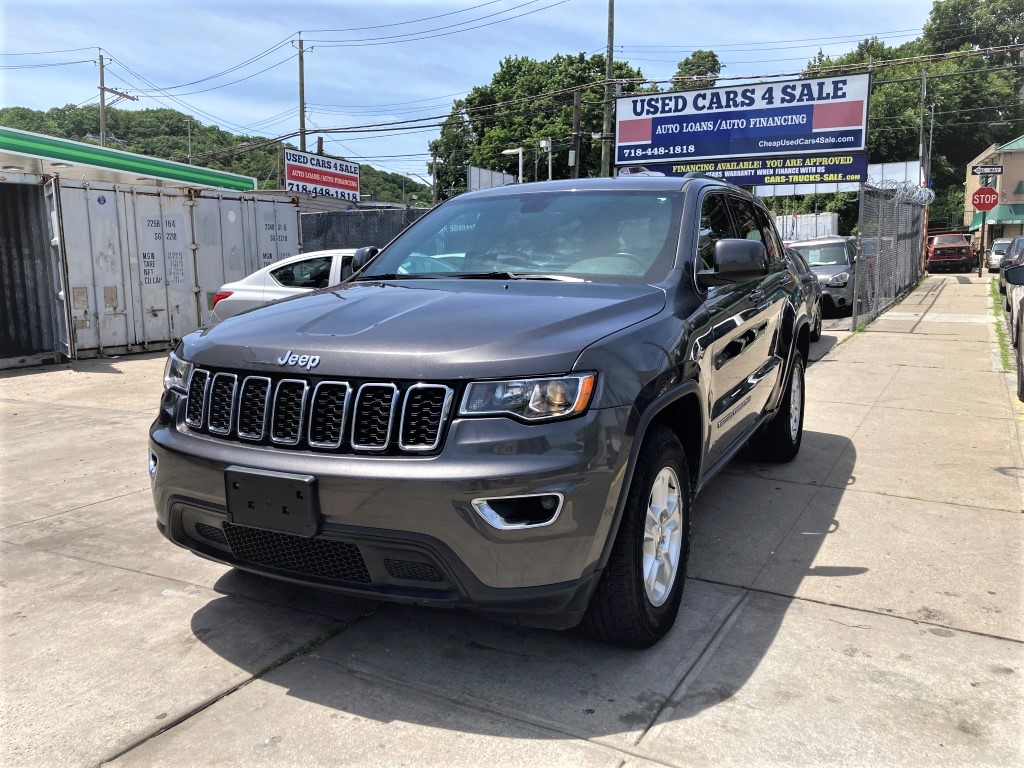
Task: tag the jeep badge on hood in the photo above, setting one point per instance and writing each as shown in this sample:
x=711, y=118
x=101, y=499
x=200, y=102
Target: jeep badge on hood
x=308, y=362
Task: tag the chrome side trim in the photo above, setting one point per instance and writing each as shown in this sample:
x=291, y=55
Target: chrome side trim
x=344, y=415
x=302, y=411
x=449, y=394
x=266, y=409
x=206, y=390
x=391, y=416
x=231, y=408
x=492, y=518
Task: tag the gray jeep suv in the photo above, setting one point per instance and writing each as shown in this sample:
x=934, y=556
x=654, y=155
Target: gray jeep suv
x=511, y=407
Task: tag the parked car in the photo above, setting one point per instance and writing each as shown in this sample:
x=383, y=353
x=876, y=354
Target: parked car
x=996, y=252
x=950, y=252
x=1015, y=281
x=518, y=427
x=283, y=279
x=833, y=261
x=812, y=290
x=1010, y=258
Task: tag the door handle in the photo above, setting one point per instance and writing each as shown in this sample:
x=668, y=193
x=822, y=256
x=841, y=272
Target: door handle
x=787, y=279
x=756, y=295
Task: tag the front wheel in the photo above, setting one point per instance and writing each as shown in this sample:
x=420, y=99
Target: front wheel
x=816, y=332
x=780, y=440
x=637, y=599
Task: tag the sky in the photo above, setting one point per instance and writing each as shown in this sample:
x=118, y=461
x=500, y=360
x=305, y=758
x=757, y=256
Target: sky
x=391, y=59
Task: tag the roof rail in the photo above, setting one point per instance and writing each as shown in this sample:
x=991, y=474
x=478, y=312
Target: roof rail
x=700, y=175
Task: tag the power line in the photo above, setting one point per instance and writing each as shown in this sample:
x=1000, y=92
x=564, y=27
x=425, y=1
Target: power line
x=46, y=53
x=149, y=95
x=385, y=41
x=43, y=66
x=411, y=21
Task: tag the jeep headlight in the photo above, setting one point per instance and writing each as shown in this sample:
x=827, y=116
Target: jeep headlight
x=838, y=281
x=176, y=373
x=531, y=399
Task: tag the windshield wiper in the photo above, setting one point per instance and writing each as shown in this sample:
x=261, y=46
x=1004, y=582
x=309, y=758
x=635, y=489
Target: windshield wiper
x=515, y=276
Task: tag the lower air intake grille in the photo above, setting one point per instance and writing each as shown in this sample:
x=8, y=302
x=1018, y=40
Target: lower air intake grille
x=327, y=558
x=211, y=533
x=412, y=570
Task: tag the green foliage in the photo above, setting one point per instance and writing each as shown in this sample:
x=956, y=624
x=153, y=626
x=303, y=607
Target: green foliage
x=475, y=133
x=699, y=64
x=164, y=133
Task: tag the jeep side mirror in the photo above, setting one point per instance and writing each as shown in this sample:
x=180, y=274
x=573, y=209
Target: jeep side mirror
x=362, y=257
x=1014, y=275
x=736, y=261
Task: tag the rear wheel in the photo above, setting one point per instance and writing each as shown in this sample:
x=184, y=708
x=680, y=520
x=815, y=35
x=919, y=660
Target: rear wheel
x=638, y=596
x=780, y=440
x=816, y=331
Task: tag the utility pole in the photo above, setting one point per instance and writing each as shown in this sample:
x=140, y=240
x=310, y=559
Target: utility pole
x=924, y=95
x=188, y=122
x=551, y=149
x=319, y=145
x=103, y=107
x=606, y=153
x=302, y=100
x=433, y=178
x=103, y=104
x=574, y=153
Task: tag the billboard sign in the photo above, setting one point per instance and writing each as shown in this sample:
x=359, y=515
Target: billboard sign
x=798, y=117
x=319, y=175
x=799, y=169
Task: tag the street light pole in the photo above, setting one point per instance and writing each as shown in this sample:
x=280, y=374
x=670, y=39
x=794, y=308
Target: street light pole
x=516, y=151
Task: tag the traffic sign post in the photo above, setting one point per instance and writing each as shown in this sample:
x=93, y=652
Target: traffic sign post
x=984, y=199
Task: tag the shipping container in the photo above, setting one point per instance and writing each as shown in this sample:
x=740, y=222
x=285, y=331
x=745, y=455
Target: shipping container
x=94, y=268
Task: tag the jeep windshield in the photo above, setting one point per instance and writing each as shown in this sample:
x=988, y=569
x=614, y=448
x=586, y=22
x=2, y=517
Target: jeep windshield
x=601, y=236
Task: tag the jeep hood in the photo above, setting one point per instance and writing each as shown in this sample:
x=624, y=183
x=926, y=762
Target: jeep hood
x=428, y=329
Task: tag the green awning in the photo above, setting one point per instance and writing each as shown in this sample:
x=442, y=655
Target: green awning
x=34, y=153
x=1005, y=213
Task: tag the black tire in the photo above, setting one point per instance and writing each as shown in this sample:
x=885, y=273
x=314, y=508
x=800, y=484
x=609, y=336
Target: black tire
x=1020, y=376
x=816, y=330
x=620, y=611
x=775, y=443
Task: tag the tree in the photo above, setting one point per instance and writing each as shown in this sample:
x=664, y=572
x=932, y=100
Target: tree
x=698, y=70
x=513, y=111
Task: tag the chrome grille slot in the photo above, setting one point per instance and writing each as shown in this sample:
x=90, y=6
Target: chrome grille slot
x=221, y=405
x=327, y=414
x=195, y=408
x=423, y=413
x=371, y=424
x=253, y=405
x=289, y=409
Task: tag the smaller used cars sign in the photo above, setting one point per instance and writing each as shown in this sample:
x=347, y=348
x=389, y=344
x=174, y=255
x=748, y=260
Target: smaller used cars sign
x=320, y=175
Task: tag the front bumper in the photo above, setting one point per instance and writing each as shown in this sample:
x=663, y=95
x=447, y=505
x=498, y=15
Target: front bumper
x=936, y=265
x=837, y=297
x=407, y=524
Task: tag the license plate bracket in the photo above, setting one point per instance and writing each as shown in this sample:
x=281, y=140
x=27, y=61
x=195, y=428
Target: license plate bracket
x=273, y=501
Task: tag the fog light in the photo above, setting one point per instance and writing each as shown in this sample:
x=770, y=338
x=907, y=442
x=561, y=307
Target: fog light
x=510, y=513
x=152, y=463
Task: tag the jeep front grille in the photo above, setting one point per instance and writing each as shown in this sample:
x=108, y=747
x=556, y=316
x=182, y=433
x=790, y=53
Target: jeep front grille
x=341, y=416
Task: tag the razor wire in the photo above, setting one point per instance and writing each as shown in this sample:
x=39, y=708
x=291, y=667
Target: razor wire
x=890, y=239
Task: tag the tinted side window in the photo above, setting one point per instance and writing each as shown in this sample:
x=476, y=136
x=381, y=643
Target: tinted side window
x=769, y=236
x=311, y=273
x=715, y=225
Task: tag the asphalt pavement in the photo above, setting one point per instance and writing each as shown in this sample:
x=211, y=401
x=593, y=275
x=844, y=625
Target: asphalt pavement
x=860, y=606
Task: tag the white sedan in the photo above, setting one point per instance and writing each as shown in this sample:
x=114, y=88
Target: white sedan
x=289, y=277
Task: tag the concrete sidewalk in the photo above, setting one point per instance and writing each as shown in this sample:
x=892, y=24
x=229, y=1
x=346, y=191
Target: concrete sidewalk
x=859, y=606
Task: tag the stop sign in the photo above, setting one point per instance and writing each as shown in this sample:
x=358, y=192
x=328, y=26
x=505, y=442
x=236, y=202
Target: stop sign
x=984, y=199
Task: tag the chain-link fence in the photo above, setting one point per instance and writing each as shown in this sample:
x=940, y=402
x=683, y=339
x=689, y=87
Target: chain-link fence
x=354, y=229
x=891, y=239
